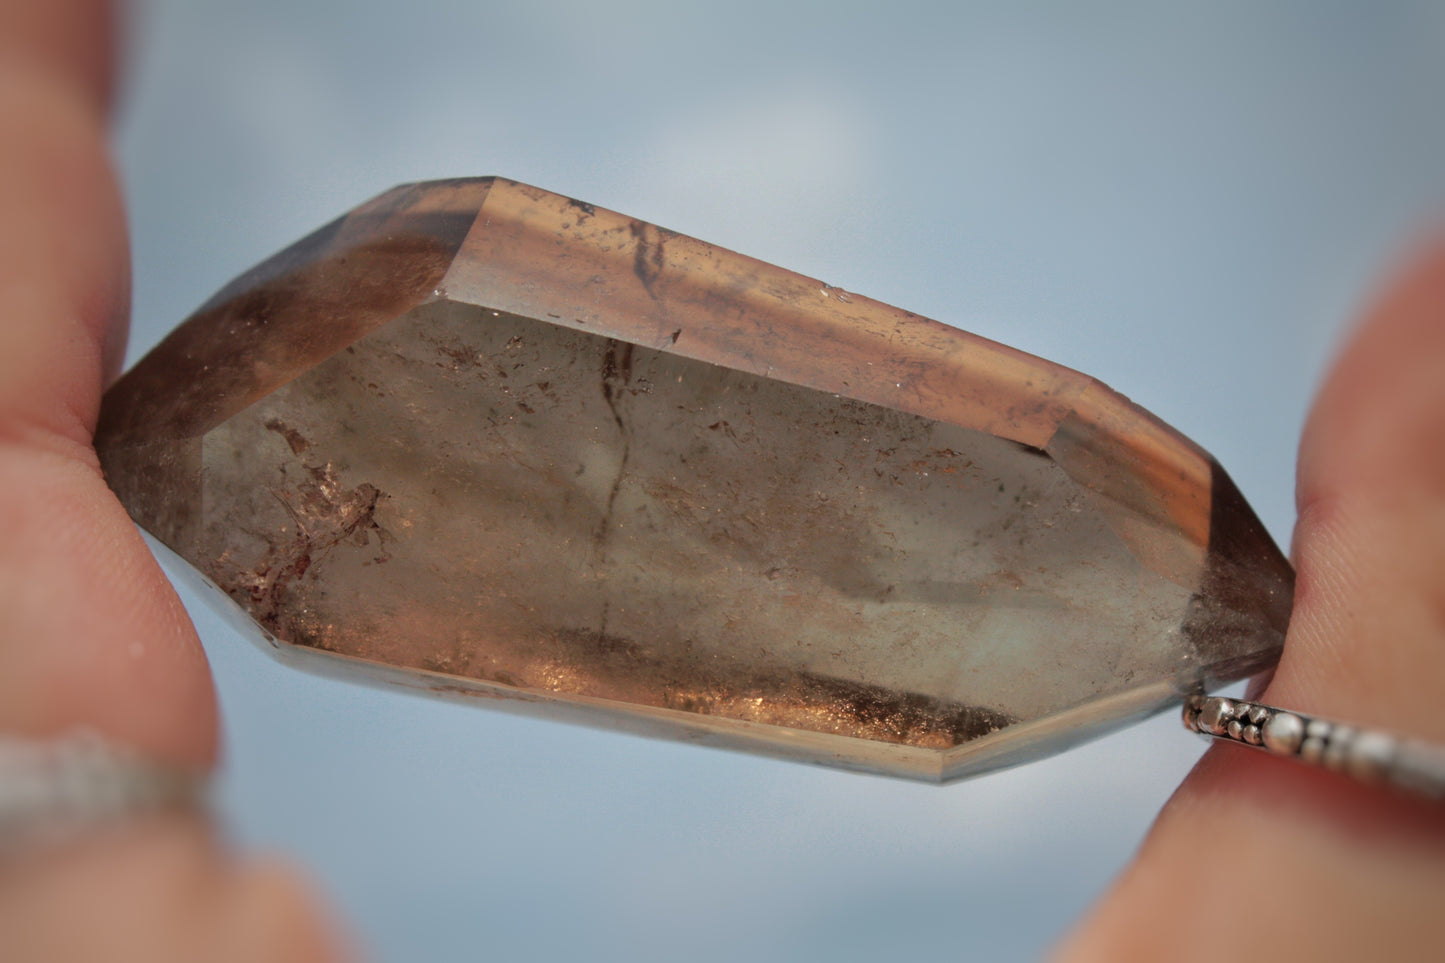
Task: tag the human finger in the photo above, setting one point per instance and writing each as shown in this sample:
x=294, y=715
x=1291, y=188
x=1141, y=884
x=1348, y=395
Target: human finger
x=92, y=634
x=1257, y=852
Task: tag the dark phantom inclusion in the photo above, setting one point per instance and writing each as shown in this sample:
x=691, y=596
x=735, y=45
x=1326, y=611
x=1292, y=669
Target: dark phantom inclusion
x=478, y=438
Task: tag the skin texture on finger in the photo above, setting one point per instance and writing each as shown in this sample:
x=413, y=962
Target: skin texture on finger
x=1369, y=639
x=1262, y=854
x=92, y=634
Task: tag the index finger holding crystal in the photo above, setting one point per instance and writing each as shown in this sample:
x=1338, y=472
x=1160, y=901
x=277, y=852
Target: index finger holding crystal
x=1321, y=867
x=95, y=648
x=93, y=636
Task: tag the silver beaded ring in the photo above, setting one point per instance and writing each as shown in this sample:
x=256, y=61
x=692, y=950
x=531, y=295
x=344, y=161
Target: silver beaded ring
x=58, y=787
x=53, y=788
x=1368, y=755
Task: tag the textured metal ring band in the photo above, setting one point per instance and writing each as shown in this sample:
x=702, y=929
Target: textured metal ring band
x=1368, y=755
x=52, y=788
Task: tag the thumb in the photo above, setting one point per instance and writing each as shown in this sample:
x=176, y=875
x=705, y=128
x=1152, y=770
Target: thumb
x=1260, y=852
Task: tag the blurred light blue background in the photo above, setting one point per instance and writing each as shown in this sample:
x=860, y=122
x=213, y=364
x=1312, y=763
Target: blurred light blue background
x=1188, y=203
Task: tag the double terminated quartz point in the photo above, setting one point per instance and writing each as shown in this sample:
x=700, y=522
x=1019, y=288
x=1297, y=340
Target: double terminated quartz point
x=480, y=439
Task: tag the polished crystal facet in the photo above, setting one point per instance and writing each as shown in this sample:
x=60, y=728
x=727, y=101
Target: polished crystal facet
x=480, y=439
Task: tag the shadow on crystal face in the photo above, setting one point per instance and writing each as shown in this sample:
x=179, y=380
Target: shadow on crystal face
x=386, y=448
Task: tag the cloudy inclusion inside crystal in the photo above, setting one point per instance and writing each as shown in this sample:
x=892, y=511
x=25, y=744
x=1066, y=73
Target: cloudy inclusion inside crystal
x=493, y=497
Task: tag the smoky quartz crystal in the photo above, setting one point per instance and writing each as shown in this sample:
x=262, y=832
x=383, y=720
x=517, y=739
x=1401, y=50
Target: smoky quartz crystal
x=482, y=440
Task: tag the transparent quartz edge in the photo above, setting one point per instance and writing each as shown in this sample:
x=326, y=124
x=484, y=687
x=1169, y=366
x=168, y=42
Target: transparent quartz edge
x=1014, y=745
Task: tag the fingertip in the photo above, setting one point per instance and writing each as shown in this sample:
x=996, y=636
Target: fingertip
x=1369, y=544
x=71, y=41
x=280, y=917
x=94, y=636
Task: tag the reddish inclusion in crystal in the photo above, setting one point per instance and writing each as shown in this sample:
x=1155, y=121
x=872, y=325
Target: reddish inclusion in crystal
x=480, y=438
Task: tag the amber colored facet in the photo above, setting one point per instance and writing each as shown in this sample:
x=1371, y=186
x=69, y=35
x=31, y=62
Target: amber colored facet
x=480, y=439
